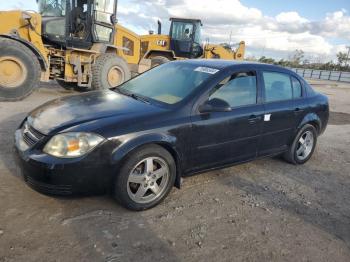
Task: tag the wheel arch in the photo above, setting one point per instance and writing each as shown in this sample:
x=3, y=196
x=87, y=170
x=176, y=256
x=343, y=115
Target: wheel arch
x=166, y=142
x=167, y=53
x=312, y=119
x=41, y=58
x=103, y=48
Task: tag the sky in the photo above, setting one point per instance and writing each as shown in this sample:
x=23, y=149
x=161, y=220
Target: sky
x=321, y=28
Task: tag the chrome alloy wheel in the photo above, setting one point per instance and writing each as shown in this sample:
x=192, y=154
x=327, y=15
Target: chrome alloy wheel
x=148, y=180
x=305, y=145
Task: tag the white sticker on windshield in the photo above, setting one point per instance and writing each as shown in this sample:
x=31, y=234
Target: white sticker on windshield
x=207, y=70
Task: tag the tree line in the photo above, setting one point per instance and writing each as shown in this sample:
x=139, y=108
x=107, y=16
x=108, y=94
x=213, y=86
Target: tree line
x=298, y=60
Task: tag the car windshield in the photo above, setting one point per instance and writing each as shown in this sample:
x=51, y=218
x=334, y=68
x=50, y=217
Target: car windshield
x=169, y=83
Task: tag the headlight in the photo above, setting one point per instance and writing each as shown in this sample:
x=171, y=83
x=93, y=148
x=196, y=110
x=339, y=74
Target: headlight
x=71, y=145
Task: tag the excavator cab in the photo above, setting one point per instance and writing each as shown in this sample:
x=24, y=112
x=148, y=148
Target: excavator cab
x=78, y=23
x=185, y=37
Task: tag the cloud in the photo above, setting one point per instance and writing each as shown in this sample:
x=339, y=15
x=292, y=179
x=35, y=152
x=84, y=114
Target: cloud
x=280, y=34
x=283, y=33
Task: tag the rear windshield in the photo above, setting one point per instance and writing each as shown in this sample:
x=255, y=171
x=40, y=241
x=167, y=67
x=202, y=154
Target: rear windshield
x=169, y=83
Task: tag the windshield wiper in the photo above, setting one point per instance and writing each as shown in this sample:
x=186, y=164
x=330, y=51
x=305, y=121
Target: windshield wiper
x=133, y=95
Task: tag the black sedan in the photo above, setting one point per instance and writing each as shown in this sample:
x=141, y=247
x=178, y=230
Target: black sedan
x=180, y=118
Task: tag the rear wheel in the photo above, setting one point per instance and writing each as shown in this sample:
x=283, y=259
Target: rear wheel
x=109, y=71
x=19, y=70
x=146, y=178
x=159, y=60
x=303, y=145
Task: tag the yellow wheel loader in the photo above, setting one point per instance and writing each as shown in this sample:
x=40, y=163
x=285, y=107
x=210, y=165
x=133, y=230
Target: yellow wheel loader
x=184, y=41
x=75, y=42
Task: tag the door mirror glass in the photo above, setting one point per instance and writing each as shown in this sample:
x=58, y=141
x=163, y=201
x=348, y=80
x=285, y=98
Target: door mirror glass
x=215, y=105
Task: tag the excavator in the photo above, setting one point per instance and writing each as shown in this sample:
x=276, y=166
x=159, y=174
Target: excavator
x=184, y=41
x=81, y=45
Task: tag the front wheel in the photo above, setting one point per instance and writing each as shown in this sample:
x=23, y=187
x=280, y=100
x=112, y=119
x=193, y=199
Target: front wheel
x=303, y=145
x=145, y=179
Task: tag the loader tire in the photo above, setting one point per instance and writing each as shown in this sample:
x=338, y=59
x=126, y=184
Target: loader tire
x=19, y=70
x=109, y=71
x=159, y=60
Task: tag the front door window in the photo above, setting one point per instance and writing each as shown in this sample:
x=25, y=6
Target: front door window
x=238, y=90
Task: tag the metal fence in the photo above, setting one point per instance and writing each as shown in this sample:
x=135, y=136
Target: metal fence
x=323, y=74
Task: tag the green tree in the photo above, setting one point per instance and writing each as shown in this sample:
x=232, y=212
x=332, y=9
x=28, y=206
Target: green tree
x=297, y=57
x=342, y=58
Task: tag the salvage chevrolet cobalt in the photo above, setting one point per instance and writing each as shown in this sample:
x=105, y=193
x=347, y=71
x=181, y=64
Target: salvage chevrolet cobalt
x=180, y=118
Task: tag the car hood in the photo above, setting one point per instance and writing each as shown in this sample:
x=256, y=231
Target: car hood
x=70, y=111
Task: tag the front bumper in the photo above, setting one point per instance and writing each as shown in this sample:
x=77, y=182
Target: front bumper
x=90, y=174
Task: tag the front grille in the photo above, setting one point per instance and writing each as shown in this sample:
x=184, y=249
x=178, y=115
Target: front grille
x=49, y=189
x=30, y=135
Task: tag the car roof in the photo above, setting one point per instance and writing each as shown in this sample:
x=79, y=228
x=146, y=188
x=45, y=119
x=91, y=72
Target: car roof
x=233, y=64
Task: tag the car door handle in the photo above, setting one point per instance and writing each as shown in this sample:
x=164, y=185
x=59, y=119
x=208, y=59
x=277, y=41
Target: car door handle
x=253, y=119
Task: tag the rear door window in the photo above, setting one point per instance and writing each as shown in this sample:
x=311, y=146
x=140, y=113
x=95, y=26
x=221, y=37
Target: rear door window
x=278, y=86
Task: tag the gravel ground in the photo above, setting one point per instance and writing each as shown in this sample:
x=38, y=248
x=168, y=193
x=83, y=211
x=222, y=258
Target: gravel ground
x=266, y=210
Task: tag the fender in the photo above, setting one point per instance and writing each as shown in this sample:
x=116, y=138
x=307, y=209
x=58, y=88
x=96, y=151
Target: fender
x=313, y=119
x=168, y=52
x=106, y=48
x=167, y=141
x=42, y=60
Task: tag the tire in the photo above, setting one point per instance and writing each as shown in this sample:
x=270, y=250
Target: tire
x=125, y=192
x=159, y=60
x=109, y=71
x=25, y=74
x=294, y=156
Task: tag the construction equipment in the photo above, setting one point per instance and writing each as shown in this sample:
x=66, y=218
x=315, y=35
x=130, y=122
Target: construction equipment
x=75, y=42
x=79, y=44
x=184, y=41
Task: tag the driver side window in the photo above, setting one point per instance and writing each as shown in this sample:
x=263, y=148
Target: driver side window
x=240, y=89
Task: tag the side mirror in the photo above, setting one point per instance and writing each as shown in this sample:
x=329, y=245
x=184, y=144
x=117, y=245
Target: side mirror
x=214, y=105
x=114, y=20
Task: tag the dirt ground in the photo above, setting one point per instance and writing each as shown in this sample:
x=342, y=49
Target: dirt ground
x=266, y=210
